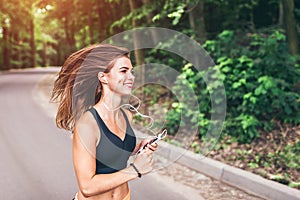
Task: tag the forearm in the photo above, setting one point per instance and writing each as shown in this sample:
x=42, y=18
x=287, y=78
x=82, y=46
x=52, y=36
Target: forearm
x=101, y=183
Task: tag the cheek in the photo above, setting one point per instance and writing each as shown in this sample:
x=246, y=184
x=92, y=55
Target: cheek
x=117, y=83
x=121, y=79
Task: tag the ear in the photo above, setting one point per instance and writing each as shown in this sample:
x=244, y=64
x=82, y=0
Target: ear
x=102, y=78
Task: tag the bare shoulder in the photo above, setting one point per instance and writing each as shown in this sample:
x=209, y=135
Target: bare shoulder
x=87, y=127
x=86, y=121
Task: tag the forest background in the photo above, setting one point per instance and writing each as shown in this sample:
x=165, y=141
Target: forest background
x=254, y=44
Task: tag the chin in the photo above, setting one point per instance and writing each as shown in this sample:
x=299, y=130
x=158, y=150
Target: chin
x=126, y=93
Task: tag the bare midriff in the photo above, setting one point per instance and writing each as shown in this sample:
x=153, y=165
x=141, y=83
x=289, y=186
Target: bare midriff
x=117, y=193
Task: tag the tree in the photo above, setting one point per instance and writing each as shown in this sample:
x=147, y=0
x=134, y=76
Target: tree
x=5, y=38
x=197, y=20
x=290, y=26
x=139, y=54
x=32, y=43
x=5, y=25
x=17, y=15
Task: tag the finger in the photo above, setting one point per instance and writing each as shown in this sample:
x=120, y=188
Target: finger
x=148, y=151
x=143, y=153
x=151, y=161
x=151, y=139
x=143, y=143
x=152, y=147
x=149, y=147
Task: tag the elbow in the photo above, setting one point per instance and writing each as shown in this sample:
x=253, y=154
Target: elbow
x=89, y=191
x=86, y=191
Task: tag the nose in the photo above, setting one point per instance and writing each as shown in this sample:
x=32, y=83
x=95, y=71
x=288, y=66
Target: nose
x=131, y=76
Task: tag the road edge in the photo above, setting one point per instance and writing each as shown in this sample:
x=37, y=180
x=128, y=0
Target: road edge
x=244, y=180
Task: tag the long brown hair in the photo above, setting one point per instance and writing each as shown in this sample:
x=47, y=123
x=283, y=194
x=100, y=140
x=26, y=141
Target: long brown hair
x=77, y=87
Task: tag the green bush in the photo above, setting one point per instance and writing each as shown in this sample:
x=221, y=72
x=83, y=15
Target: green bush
x=260, y=78
x=291, y=155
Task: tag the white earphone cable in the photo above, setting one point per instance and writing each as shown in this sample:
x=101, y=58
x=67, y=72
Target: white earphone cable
x=131, y=107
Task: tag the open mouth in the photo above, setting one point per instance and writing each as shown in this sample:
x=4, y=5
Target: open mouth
x=129, y=85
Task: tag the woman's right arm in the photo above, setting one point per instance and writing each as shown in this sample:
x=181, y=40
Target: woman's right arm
x=84, y=148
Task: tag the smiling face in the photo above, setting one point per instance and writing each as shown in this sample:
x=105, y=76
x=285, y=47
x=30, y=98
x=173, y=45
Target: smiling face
x=120, y=77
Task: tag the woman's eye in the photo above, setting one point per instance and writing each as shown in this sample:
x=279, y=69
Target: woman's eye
x=126, y=71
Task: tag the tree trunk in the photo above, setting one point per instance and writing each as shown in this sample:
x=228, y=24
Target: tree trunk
x=70, y=34
x=59, y=55
x=6, y=49
x=32, y=43
x=15, y=54
x=139, y=54
x=44, y=54
x=5, y=43
x=101, y=33
x=281, y=15
x=91, y=27
x=66, y=28
x=291, y=26
x=197, y=22
x=149, y=21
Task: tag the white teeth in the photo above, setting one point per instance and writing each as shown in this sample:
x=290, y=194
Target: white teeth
x=128, y=85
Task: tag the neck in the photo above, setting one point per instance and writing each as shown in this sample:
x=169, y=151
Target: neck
x=112, y=109
x=110, y=103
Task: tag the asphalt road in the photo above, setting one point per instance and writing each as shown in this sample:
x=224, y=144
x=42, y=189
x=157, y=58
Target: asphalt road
x=36, y=160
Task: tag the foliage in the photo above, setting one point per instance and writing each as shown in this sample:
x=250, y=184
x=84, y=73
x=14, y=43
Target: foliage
x=273, y=155
x=259, y=76
x=246, y=39
x=96, y=20
x=57, y=28
x=291, y=155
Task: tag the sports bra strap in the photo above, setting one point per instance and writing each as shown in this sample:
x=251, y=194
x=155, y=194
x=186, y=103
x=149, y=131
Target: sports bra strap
x=125, y=116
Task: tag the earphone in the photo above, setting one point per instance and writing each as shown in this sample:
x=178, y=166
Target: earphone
x=101, y=75
x=106, y=81
x=130, y=107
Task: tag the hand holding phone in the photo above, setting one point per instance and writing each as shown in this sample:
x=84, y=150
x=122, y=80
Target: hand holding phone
x=155, y=140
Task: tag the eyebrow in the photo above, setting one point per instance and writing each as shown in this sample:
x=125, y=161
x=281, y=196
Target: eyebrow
x=124, y=67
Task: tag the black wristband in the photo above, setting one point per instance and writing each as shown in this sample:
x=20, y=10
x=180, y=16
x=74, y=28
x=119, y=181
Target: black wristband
x=137, y=171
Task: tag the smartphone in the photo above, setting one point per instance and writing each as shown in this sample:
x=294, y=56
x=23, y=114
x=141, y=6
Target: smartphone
x=155, y=140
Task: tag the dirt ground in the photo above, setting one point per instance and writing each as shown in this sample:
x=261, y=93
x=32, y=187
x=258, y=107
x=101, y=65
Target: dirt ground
x=268, y=155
